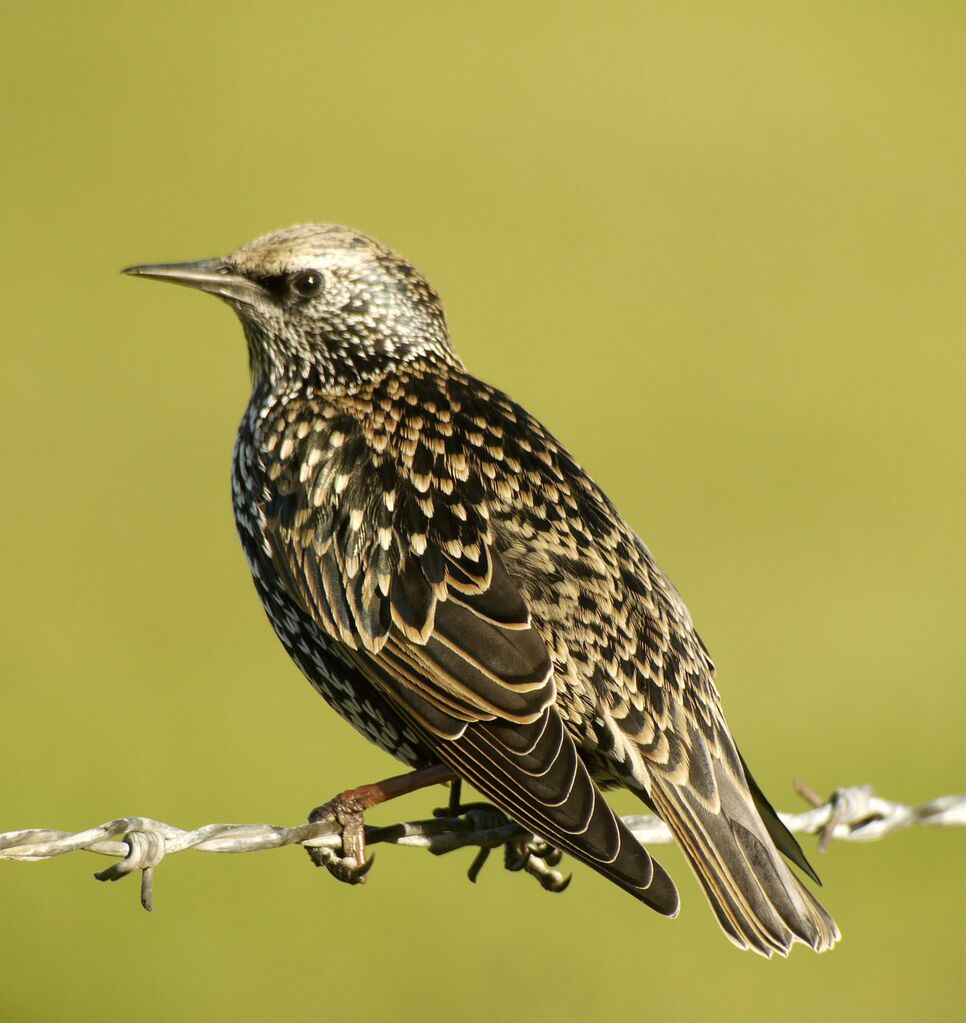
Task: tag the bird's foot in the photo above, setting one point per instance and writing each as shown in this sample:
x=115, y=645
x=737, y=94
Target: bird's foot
x=538, y=859
x=846, y=806
x=534, y=856
x=350, y=864
x=347, y=810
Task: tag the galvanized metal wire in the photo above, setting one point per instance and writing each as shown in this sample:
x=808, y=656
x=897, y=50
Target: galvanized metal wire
x=140, y=843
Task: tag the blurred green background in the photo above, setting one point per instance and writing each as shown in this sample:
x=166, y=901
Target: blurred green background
x=718, y=248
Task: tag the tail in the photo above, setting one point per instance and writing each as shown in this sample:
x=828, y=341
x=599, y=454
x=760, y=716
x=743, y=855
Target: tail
x=733, y=848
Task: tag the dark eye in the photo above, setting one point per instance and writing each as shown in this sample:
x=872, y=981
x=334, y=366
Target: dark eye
x=307, y=283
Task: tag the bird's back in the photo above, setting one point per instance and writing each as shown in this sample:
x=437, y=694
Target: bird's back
x=429, y=457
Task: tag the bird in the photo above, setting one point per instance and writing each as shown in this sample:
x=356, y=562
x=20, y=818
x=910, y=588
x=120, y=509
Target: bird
x=459, y=589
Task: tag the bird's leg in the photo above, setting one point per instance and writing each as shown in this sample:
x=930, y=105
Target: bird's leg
x=348, y=810
x=455, y=807
x=455, y=797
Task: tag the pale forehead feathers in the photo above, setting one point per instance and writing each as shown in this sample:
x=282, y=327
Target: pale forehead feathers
x=306, y=247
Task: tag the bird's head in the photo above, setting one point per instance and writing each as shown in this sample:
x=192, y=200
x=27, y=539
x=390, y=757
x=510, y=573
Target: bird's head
x=323, y=302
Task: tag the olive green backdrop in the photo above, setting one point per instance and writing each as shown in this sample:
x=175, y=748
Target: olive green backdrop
x=718, y=248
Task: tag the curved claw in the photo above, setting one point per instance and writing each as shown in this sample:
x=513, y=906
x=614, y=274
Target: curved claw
x=346, y=869
x=350, y=864
x=553, y=858
x=555, y=882
x=479, y=860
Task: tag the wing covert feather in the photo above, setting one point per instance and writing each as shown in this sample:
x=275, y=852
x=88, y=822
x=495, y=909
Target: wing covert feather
x=418, y=594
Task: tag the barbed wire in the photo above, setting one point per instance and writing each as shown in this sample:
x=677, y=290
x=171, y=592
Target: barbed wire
x=851, y=814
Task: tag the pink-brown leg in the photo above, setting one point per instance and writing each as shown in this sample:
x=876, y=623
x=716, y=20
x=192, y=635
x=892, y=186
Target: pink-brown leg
x=348, y=810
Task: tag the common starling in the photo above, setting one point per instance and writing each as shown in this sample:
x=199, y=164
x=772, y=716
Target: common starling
x=459, y=589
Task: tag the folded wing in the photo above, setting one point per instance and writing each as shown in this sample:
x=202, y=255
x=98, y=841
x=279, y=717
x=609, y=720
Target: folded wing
x=409, y=580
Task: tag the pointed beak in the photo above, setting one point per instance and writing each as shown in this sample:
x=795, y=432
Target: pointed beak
x=212, y=275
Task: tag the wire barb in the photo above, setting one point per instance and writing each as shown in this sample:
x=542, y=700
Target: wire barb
x=140, y=843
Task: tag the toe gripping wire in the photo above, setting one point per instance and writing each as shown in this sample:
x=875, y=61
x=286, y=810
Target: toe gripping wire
x=140, y=843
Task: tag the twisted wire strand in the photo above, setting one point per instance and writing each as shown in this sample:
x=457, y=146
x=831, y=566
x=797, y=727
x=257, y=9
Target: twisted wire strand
x=140, y=843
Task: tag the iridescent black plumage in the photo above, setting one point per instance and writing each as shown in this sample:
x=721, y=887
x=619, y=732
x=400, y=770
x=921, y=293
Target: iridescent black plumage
x=462, y=592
